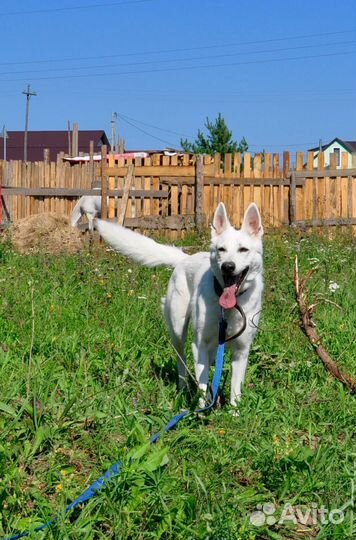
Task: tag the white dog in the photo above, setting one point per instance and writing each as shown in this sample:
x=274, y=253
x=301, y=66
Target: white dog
x=231, y=272
x=89, y=206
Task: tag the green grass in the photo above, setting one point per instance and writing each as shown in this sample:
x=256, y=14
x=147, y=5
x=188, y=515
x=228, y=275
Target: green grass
x=87, y=374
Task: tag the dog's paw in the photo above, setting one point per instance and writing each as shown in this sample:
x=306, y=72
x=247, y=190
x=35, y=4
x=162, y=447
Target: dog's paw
x=201, y=402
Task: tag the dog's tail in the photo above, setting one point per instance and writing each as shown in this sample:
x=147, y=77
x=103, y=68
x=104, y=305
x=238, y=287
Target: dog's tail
x=138, y=247
x=76, y=213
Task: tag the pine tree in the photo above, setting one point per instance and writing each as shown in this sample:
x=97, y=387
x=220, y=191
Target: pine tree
x=218, y=140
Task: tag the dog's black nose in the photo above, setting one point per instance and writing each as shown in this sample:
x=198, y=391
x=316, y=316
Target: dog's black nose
x=228, y=267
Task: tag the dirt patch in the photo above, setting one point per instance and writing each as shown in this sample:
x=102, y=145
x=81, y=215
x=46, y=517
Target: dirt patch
x=47, y=232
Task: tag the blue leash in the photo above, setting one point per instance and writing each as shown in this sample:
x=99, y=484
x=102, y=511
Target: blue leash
x=115, y=469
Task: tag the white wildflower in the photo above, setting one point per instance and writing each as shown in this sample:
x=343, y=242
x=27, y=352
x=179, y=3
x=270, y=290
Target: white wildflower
x=333, y=286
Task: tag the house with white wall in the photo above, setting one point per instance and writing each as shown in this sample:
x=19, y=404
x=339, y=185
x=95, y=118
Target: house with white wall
x=335, y=146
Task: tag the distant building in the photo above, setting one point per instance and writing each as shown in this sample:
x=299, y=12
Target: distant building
x=335, y=146
x=55, y=141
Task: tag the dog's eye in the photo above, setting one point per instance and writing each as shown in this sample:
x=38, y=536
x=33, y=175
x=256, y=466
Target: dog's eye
x=221, y=249
x=243, y=250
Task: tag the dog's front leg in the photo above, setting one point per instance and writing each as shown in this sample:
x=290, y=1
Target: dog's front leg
x=201, y=363
x=238, y=371
x=90, y=222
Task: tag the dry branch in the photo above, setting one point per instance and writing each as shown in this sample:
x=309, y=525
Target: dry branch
x=308, y=326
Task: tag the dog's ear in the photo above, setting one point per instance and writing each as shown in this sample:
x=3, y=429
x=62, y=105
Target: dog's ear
x=221, y=221
x=252, y=223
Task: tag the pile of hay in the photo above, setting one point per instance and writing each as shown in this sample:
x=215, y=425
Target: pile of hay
x=46, y=232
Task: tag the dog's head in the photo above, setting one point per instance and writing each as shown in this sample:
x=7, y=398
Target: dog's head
x=236, y=255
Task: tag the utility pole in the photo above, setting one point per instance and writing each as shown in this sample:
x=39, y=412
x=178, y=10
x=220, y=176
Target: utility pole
x=28, y=93
x=113, y=131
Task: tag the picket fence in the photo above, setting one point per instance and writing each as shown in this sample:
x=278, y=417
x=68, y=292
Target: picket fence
x=180, y=192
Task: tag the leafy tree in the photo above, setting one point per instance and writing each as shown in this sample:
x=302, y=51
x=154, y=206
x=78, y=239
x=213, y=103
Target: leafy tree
x=218, y=140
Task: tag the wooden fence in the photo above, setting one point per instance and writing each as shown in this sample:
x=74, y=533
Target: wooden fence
x=179, y=192
x=186, y=190
x=323, y=196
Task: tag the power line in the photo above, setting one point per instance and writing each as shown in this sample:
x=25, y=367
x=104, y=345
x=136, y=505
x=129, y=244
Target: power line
x=170, y=60
x=146, y=132
x=74, y=8
x=236, y=95
x=132, y=122
x=184, y=49
x=124, y=117
x=184, y=68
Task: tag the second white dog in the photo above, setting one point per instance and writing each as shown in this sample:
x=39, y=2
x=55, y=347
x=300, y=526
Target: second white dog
x=89, y=206
x=232, y=270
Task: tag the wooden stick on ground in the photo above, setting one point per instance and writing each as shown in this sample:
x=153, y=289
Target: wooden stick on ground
x=308, y=326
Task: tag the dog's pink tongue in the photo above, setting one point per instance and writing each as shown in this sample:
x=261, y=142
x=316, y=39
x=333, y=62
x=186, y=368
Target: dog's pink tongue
x=228, y=298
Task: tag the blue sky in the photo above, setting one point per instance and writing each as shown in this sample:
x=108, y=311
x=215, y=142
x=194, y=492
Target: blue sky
x=281, y=72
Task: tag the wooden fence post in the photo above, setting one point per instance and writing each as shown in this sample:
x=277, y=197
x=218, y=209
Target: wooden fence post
x=199, y=193
x=91, y=163
x=75, y=137
x=46, y=155
x=292, y=197
x=125, y=196
x=353, y=160
x=286, y=164
x=104, y=183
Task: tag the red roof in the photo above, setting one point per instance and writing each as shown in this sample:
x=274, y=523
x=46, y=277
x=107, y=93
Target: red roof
x=55, y=141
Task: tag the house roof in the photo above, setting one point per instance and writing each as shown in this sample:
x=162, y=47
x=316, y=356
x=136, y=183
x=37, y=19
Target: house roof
x=55, y=141
x=350, y=146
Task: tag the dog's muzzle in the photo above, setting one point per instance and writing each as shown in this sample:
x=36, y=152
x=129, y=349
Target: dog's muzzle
x=232, y=284
x=228, y=300
x=229, y=276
